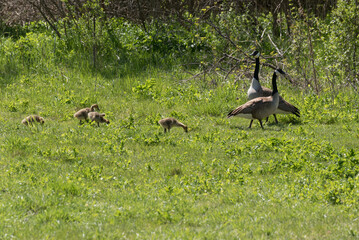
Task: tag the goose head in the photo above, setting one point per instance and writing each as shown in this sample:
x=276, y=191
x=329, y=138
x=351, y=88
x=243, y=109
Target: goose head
x=255, y=54
x=278, y=70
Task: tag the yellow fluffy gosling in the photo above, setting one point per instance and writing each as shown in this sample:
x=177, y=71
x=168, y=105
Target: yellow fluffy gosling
x=29, y=120
x=168, y=123
x=98, y=117
x=82, y=114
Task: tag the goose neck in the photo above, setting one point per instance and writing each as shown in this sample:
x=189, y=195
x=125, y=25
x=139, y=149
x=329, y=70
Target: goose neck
x=256, y=70
x=274, y=84
x=256, y=85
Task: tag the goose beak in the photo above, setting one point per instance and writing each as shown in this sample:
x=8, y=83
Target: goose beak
x=254, y=54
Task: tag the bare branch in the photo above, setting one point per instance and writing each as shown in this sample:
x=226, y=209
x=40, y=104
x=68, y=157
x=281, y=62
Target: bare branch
x=219, y=31
x=278, y=51
x=45, y=17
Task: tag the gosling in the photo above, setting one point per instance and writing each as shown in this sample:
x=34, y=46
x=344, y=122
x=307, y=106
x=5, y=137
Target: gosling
x=82, y=114
x=29, y=120
x=168, y=123
x=98, y=117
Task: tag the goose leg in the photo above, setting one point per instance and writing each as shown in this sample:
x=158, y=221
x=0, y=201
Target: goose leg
x=267, y=119
x=260, y=121
x=276, y=121
x=165, y=130
x=250, y=125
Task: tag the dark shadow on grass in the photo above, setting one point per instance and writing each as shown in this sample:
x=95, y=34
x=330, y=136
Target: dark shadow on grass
x=290, y=120
x=239, y=127
x=281, y=125
x=269, y=126
x=284, y=122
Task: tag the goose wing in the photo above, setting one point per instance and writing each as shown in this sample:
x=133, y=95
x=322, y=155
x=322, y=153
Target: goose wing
x=247, y=108
x=284, y=106
x=266, y=92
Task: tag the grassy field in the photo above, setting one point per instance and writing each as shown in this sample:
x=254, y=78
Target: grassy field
x=128, y=180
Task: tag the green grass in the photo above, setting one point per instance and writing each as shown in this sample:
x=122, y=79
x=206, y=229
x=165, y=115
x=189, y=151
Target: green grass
x=298, y=179
x=294, y=180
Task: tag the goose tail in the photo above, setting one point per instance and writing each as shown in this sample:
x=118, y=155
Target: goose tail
x=230, y=114
x=286, y=107
x=296, y=112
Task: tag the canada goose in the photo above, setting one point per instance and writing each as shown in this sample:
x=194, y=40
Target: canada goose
x=98, y=117
x=260, y=107
x=168, y=123
x=82, y=114
x=256, y=90
x=29, y=120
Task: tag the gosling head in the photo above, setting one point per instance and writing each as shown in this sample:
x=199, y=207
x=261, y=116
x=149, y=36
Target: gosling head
x=104, y=119
x=185, y=128
x=25, y=122
x=41, y=120
x=94, y=106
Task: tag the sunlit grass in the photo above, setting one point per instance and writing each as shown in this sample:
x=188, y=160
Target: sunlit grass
x=294, y=180
x=128, y=179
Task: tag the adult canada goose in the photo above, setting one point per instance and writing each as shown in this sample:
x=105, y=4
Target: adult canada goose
x=168, y=123
x=98, y=117
x=256, y=90
x=82, y=114
x=260, y=107
x=29, y=120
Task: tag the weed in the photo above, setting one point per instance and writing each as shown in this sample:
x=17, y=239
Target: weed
x=130, y=180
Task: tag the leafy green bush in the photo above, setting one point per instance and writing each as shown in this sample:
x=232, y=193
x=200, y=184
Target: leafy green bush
x=340, y=51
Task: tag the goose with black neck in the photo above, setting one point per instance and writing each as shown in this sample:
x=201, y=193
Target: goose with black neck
x=256, y=90
x=260, y=107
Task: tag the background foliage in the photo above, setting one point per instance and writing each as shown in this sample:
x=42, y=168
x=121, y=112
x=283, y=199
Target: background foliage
x=315, y=43
x=295, y=180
